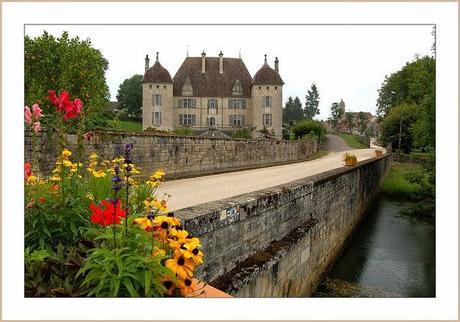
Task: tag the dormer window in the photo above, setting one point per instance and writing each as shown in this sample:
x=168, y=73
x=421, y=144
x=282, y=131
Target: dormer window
x=237, y=88
x=187, y=89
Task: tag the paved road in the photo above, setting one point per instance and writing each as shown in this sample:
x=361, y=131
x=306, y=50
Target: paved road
x=189, y=192
x=336, y=144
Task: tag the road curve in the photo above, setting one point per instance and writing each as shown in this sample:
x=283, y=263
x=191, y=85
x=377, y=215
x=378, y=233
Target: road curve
x=190, y=192
x=336, y=144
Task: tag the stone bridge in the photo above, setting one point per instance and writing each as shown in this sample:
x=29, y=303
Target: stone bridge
x=272, y=231
x=281, y=241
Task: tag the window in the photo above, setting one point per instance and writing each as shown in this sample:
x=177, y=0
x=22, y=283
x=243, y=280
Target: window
x=187, y=103
x=187, y=119
x=267, y=120
x=237, y=103
x=236, y=120
x=212, y=103
x=267, y=101
x=157, y=100
x=156, y=118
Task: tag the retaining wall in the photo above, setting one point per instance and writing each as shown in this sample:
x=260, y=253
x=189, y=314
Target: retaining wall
x=180, y=156
x=281, y=241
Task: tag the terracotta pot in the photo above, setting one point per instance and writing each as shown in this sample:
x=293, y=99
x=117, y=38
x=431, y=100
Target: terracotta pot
x=378, y=153
x=350, y=162
x=201, y=289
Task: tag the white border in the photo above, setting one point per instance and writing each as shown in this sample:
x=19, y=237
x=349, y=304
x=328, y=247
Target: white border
x=444, y=306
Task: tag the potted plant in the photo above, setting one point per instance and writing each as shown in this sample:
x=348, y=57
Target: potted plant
x=378, y=153
x=350, y=159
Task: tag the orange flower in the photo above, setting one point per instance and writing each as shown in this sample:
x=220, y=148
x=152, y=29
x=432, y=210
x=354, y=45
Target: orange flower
x=180, y=265
x=168, y=284
x=185, y=286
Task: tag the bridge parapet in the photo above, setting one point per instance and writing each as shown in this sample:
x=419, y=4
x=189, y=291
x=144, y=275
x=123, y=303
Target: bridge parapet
x=255, y=245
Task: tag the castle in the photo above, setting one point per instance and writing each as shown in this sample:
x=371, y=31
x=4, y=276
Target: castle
x=213, y=93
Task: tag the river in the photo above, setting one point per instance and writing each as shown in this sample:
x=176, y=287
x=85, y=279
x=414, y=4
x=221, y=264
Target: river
x=390, y=255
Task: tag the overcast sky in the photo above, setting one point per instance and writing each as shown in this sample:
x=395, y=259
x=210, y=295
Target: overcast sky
x=345, y=62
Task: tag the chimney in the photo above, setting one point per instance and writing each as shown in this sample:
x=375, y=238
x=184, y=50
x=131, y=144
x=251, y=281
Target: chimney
x=158, y=60
x=221, y=63
x=276, y=64
x=203, y=63
x=265, y=60
x=147, y=62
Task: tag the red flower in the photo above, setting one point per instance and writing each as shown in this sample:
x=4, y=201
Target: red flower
x=27, y=170
x=106, y=216
x=42, y=199
x=70, y=109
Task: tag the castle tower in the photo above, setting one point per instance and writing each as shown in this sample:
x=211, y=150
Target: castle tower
x=267, y=100
x=157, y=97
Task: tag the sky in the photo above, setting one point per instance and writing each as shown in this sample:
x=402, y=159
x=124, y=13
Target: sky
x=346, y=62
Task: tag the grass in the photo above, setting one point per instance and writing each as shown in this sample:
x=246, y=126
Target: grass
x=353, y=141
x=396, y=186
x=130, y=126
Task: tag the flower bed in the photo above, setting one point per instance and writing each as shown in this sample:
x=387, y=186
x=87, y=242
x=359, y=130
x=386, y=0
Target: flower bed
x=93, y=229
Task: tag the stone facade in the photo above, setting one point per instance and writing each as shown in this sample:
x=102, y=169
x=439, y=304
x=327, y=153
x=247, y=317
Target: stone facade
x=178, y=156
x=205, y=81
x=281, y=241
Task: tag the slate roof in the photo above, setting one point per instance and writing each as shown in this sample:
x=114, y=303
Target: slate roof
x=267, y=76
x=157, y=74
x=211, y=83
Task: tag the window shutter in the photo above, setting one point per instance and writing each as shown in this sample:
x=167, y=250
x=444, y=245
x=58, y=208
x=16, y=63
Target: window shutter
x=230, y=120
x=193, y=119
x=270, y=101
x=179, y=103
x=209, y=103
x=159, y=99
x=181, y=119
x=216, y=102
x=242, y=120
x=159, y=118
x=193, y=103
x=243, y=104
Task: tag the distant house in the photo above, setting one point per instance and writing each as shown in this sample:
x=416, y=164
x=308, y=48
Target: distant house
x=371, y=124
x=114, y=107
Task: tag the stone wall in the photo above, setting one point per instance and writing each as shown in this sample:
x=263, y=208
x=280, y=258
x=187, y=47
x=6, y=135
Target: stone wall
x=282, y=240
x=180, y=157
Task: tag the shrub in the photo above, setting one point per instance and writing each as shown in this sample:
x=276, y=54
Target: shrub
x=310, y=126
x=242, y=134
x=184, y=131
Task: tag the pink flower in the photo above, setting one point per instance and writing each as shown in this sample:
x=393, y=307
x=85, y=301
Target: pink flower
x=27, y=115
x=37, y=111
x=37, y=127
x=88, y=136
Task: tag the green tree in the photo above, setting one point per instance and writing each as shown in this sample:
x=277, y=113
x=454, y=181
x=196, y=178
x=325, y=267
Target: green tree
x=413, y=84
x=362, y=122
x=292, y=110
x=398, y=124
x=129, y=96
x=68, y=64
x=312, y=102
x=336, y=115
x=349, y=121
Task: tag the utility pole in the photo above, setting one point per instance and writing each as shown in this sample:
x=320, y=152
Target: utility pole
x=400, y=133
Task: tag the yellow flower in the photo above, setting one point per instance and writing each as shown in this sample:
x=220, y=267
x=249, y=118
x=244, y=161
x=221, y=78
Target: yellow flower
x=158, y=174
x=93, y=157
x=67, y=163
x=168, y=284
x=66, y=153
x=31, y=179
x=177, y=238
x=180, y=265
x=98, y=174
x=191, y=250
x=185, y=286
x=145, y=223
x=157, y=251
x=55, y=178
x=90, y=196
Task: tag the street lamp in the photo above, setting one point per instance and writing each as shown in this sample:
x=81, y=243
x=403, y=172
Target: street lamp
x=400, y=128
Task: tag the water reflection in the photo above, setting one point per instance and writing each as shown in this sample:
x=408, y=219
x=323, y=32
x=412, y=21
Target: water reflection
x=390, y=255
